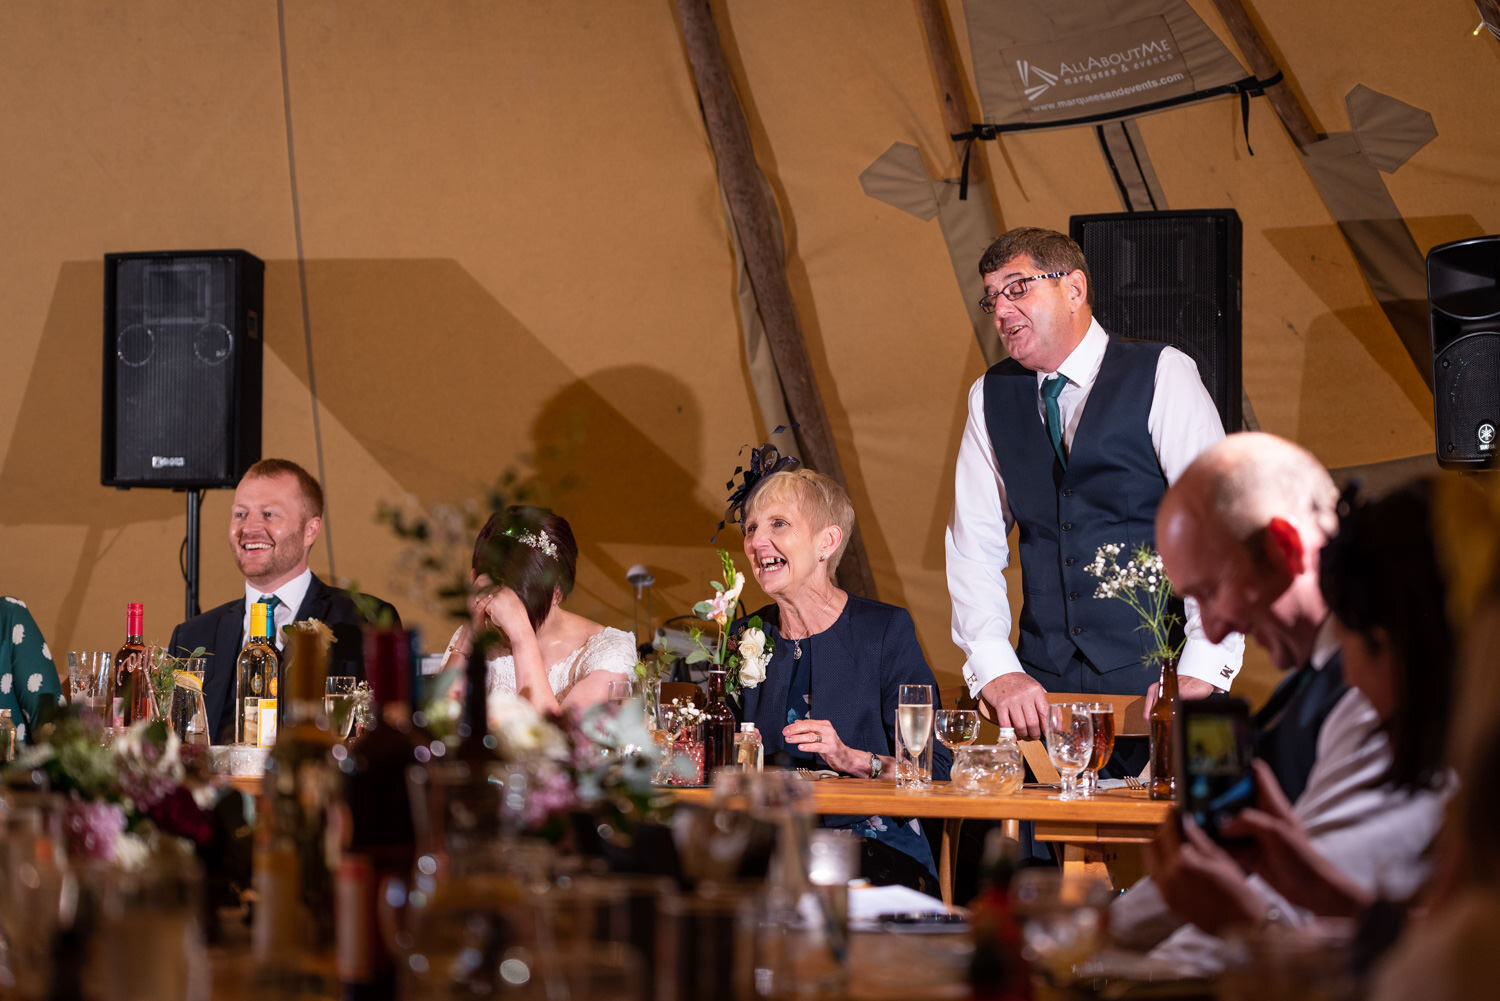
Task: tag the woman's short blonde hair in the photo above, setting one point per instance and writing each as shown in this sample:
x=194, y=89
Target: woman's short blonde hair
x=815, y=495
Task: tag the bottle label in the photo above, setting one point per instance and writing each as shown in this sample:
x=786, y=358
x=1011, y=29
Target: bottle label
x=354, y=906
x=265, y=734
x=252, y=722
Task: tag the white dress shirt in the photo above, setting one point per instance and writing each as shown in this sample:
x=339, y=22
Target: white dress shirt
x=1182, y=423
x=291, y=594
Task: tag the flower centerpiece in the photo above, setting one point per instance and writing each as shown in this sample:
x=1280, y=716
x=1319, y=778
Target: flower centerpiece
x=1141, y=582
x=682, y=747
x=742, y=657
x=125, y=795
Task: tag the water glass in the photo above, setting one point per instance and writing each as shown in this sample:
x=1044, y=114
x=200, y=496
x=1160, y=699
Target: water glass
x=621, y=691
x=338, y=704
x=186, y=710
x=914, y=737
x=1103, y=715
x=89, y=680
x=1062, y=918
x=1070, y=743
x=957, y=727
x=706, y=948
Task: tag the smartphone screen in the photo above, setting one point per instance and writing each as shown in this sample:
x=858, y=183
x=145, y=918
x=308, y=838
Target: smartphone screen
x=1214, y=774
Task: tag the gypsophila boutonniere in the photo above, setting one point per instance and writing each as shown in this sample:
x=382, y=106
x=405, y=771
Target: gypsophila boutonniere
x=742, y=657
x=1141, y=582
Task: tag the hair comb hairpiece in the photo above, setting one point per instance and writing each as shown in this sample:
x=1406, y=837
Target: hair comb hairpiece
x=764, y=461
x=536, y=540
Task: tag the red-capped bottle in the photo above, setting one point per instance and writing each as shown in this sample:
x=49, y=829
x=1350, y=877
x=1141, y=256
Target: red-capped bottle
x=132, y=675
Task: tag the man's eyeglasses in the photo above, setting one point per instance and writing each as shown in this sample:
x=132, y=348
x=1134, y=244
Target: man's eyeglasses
x=1016, y=289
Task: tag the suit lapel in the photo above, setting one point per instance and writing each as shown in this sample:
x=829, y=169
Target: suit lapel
x=218, y=675
x=315, y=602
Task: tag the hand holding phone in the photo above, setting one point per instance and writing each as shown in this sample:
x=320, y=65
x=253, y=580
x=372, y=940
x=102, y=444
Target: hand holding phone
x=1215, y=777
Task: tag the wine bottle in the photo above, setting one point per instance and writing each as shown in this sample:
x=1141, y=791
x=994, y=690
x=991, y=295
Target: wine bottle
x=476, y=743
x=254, y=672
x=293, y=938
x=1163, y=730
x=132, y=682
x=998, y=970
x=381, y=841
x=718, y=727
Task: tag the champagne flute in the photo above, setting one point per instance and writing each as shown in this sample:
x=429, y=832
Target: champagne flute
x=914, y=730
x=338, y=705
x=1070, y=743
x=957, y=727
x=1104, y=745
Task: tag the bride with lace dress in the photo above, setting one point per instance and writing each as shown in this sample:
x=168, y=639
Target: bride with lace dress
x=524, y=561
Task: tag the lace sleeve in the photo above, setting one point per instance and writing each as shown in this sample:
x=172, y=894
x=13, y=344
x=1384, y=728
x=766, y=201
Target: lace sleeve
x=609, y=650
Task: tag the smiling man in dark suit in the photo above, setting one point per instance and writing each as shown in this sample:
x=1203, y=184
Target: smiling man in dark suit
x=275, y=520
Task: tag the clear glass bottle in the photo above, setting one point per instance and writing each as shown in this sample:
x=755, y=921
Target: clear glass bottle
x=132, y=687
x=254, y=677
x=296, y=850
x=1011, y=769
x=749, y=752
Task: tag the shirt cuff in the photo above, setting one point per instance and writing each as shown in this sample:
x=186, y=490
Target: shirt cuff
x=988, y=661
x=1215, y=663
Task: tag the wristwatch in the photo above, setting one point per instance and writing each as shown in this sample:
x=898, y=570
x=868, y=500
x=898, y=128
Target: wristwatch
x=875, y=766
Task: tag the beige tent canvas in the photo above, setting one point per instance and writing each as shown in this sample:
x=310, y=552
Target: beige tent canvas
x=494, y=239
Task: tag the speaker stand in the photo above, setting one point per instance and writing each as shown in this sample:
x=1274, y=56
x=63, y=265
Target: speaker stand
x=190, y=566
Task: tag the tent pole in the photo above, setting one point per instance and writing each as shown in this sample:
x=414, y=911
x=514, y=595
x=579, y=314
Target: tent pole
x=1298, y=124
x=956, y=113
x=740, y=177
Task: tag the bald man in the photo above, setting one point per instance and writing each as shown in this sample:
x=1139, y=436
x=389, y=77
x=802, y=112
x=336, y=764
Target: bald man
x=1241, y=532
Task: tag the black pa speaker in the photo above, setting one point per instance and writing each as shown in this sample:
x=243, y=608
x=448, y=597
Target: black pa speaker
x=1463, y=298
x=1172, y=277
x=182, y=368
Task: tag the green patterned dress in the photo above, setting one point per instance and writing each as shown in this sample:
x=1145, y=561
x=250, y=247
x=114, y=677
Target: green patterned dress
x=26, y=669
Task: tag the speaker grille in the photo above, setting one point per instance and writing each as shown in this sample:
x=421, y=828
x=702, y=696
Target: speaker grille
x=1466, y=386
x=182, y=360
x=1173, y=278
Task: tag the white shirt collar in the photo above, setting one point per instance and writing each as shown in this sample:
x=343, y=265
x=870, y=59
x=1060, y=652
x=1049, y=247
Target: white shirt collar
x=1081, y=367
x=1325, y=645
x=291, y=594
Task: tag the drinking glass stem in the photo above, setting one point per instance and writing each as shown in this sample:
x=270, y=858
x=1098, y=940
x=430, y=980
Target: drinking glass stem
x=1069, y=785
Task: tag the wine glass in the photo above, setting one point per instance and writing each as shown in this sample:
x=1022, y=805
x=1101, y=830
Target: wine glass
x=621, y=691
x=1062, y=918
x=338, y=705
x=1070, y=743
x=957, y=727
x=1104, y=745
x=914, y=728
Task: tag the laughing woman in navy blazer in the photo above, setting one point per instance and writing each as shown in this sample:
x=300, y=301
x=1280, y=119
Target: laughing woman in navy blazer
x=837, y=662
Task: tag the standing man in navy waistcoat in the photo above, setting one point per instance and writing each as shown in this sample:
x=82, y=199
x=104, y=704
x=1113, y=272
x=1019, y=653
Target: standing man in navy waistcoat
x=1074, y=439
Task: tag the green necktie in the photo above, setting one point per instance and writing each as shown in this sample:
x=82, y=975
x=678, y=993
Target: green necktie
x=1051, y=389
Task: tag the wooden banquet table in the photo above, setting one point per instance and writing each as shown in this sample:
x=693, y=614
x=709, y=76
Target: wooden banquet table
x=1084, y=828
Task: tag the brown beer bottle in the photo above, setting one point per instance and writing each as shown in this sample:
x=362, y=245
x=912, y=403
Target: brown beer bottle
x=1163, y=726
x=718, y=726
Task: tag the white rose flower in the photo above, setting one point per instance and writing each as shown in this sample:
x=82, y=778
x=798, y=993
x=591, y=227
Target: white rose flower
x=752, y=644
x=753, y=672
